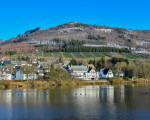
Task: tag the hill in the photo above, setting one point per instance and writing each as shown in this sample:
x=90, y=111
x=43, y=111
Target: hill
x=94, y=34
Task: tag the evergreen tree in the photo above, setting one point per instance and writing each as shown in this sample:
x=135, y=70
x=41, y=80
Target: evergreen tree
x=73, y=62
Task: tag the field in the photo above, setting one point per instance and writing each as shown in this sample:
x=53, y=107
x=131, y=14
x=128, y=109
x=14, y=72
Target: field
x=133, y=56
x=86, y=55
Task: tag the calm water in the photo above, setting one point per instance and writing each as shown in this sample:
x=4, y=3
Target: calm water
x=84, y=103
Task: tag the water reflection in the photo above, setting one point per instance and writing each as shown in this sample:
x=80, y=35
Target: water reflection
x=88, y=102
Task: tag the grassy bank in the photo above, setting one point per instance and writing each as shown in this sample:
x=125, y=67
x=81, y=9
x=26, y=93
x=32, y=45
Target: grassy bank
x=71, y=83
x=49, y=84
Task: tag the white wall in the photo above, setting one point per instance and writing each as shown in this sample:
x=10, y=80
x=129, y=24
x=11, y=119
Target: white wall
x=21, y=76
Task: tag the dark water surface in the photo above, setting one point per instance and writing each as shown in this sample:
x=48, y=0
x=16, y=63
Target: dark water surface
x=84, y=103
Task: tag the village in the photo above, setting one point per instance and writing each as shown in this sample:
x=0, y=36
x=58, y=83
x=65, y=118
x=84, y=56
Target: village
x=35, y=69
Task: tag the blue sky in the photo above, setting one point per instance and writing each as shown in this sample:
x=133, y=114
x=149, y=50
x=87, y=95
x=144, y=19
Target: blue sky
x=17, y=16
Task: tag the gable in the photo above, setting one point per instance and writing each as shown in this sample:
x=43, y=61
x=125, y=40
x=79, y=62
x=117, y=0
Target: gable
x=105, y=71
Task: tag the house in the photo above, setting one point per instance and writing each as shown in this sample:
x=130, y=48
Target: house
x=18, y=63
x=82, y=72
x=121, y=74
x=33, y=60
x=45, y=66
x=20, y=75
x=7, y=62
x=41, y=72
x=92, y=74
x=5, y=73
x=77, y=71
x=26, y=74
x=106, y=73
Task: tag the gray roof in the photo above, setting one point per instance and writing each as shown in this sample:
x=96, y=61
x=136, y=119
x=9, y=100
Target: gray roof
x=91, y=69
x=44, y=64
x=19, y=62
x=78, y=68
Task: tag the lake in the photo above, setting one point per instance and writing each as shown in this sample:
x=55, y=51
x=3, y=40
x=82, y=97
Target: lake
x=84, y=103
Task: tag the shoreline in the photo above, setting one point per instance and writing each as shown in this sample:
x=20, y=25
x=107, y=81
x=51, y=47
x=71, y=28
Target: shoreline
x=64, y=83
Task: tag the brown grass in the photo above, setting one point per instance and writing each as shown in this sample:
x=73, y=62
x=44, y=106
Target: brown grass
x=49, y=84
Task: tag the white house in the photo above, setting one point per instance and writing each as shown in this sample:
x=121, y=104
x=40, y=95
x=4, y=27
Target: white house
x=20, y=75
x=26, y=73
x=106, y=73
x=82, y=72
x=5, y=73
x=41, y=72
x=92, y=74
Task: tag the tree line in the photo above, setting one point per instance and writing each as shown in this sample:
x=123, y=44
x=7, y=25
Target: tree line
x=93, y=37
x=22, y=58
x=77, y=46
x=9, y=53
x=138, y=68
x=90, y=49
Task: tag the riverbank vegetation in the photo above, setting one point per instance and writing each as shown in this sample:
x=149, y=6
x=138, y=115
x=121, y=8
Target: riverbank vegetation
x=137, y=69
x=70, y=83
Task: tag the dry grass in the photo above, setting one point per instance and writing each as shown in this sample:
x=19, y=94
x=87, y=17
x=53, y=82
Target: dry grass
x=49, y=84
x=20, y=48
